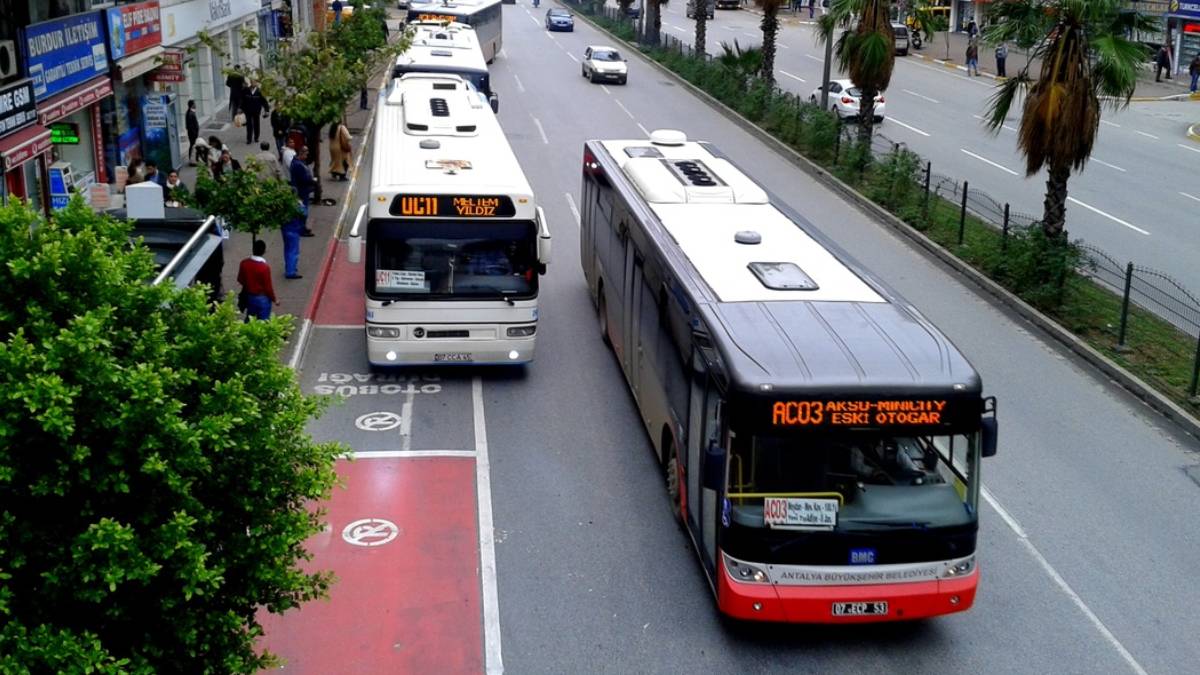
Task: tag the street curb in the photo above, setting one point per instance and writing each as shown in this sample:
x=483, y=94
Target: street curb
x=992, y=291
x=1193, y=132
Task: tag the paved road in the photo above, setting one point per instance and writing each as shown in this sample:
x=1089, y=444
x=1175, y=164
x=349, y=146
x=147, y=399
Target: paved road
x=1088, y=569
x=1138, y=198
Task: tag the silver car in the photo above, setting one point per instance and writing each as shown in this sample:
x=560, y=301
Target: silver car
x=604, y=64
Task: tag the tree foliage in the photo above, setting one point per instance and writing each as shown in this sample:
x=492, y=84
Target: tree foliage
x=1087, y=63
x=156, y=477
x=247, y=202
x=865, y=49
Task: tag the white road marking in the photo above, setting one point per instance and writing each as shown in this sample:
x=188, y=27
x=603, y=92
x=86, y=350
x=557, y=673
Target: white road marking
x=681, y=30
x=541, y=131
x=406, y=414
x=520, y=87
x=536, y=22
x=1111, y=217
x=644, y=129
x=907, y=126
x=794, y=77
x=1190, y=196
x=487, y=538
x=751, y=34
x=1003, y=126
x=731, y=28
x=407, y=454
x=814, y=58
x=910, y=91
x=1146, y=134
x=1111, y=124
x=1187, y=147
x=782, y=46
x=622, y=107
x=574, y=209
x=605, y=88
x=1111, y=166
x=946, y=71
x=1059, y=581
x=573, y=57
x=985, y=160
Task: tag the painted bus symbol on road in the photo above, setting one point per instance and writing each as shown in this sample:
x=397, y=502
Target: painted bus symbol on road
x=370, y=532
x=378, y=421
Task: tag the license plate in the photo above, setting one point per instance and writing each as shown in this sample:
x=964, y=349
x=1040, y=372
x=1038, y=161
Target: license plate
x=450, y=357
x=877, y=608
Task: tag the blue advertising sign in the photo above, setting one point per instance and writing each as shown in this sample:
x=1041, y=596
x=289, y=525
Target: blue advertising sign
x=62, y=53
x=1183, y=8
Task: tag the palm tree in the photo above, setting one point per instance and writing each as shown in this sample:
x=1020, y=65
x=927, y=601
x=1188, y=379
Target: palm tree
x=701, y=30
x=1087, y=63
x=866, y=50
x=654, y=18
x=770, y=31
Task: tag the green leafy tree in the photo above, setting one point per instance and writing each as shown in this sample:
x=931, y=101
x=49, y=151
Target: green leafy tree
x=247, y=202
x=1087, y=62
x=770, y=33
x=865, y=49
x=156, y=477
x=929, y=22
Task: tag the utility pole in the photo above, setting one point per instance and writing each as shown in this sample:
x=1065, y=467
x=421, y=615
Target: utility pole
x=825, y=76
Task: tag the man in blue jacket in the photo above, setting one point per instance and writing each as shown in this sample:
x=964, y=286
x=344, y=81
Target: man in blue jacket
x=303, y=183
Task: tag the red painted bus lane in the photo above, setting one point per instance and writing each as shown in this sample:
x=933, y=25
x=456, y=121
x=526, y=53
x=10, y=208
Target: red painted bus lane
x=403, y=542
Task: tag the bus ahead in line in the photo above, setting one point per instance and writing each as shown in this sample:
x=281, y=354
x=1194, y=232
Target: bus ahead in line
x=455, y=244
x=484, y=16
x=821, y=441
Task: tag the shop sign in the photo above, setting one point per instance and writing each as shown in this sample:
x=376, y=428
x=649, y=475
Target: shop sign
x=64, y=133
x=35, y=145
x=1181, y=8
x=182, y=21
x=17, y=106
x=77, y=100
x=63, y=53
x=132, y=28
x=170, y=67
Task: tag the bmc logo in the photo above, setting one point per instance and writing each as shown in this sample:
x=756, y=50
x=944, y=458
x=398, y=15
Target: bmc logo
x=862, y=556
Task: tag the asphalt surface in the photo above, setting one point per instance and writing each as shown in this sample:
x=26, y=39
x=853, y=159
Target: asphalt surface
x=1089, y=569
x=1137, y=199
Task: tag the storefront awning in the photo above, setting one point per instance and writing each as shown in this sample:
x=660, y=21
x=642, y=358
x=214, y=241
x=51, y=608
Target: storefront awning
x=75, y=99
x=133, y=67
x=21, y=146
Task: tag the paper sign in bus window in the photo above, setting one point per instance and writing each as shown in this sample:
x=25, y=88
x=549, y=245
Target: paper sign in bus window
x=800, y=513
x=401, y=280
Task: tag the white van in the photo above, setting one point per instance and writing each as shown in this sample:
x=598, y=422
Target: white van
x=900, y=34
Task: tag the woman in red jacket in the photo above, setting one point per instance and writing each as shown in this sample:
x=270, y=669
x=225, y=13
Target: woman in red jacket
x=254, y=274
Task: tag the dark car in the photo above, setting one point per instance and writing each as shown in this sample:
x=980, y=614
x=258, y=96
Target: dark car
x=559, y=19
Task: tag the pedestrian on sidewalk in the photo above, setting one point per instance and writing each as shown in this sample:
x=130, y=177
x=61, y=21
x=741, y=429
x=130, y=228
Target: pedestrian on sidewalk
x=337, y=11
x=972, y=31
x=258, y=294
x=134, y=172
x=1194, y=71
x=153, y=175
x=339, y=151
x=269, y=167
x=225, y=164
x=236, y=83
x=1163, y=62
x=288, y=154
x=1001, y=57
x=192, y=124
x=812, y=8
x=972, y=57
x=175, y=190
x=302, y=183
x=292, y=231
x=255, y=105
x=279, y=127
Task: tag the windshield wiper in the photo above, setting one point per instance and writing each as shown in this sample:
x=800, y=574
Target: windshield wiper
x=910, y=524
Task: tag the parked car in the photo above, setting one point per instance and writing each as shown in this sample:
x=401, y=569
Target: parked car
x=900, y=35
x=729, y=4
x=844, y=100
x=634, y=10
x=559, y=19
x=604, y=64
x=690, y=10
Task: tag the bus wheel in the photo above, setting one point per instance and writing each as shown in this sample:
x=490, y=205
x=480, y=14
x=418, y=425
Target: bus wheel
x=603, y=311
x=673, y=482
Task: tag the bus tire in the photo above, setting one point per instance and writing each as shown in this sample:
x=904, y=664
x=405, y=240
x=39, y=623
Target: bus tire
x=672, y=476
x=602, y=310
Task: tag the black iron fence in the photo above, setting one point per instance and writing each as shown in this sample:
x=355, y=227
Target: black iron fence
x=1137, y=286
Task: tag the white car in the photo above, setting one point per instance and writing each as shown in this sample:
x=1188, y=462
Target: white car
x=604, y=64
x=844, y=100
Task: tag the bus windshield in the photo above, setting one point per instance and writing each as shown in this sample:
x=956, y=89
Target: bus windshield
x=860, y=482
x=434, y=259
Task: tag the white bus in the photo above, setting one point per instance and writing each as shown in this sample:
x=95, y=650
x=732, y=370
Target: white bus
x=439, y=47
x=454, y=241
x=483, y=15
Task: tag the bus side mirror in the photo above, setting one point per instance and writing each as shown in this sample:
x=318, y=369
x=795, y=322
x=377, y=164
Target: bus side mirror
x=494, y=101
x=355, y=243
x=991, y=430
x=543, y=241
x=714, y=467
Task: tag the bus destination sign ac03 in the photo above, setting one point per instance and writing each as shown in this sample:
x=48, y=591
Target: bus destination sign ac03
x=453, y=206
x=840, y=413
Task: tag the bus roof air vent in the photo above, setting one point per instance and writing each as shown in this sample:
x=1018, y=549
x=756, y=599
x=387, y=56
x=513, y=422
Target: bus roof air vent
x=643, y=151
x=430, y=144
x=749, y=237
x=667, y=137
x=693, y=172
x=782, y=276
x=438, y=107
x=441, y=52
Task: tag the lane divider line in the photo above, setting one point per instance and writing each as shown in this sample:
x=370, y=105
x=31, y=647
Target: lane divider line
x=575, y=209
x=538, y=124
x=910, y=91
x=1111, y=166
x=1111, y=217
x=520, y=85
x=407, y=454
x=493, y=657
x=985, y=160
x=907, y=126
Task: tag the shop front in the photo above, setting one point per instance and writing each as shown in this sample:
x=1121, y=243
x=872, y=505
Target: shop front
x=1183, y=21
x=67, y=61
x=24, y=145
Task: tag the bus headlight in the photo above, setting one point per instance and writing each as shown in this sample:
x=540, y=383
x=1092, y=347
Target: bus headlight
x=383, y=332
x=746, y=573
x=522, y=331
x=960, y=568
